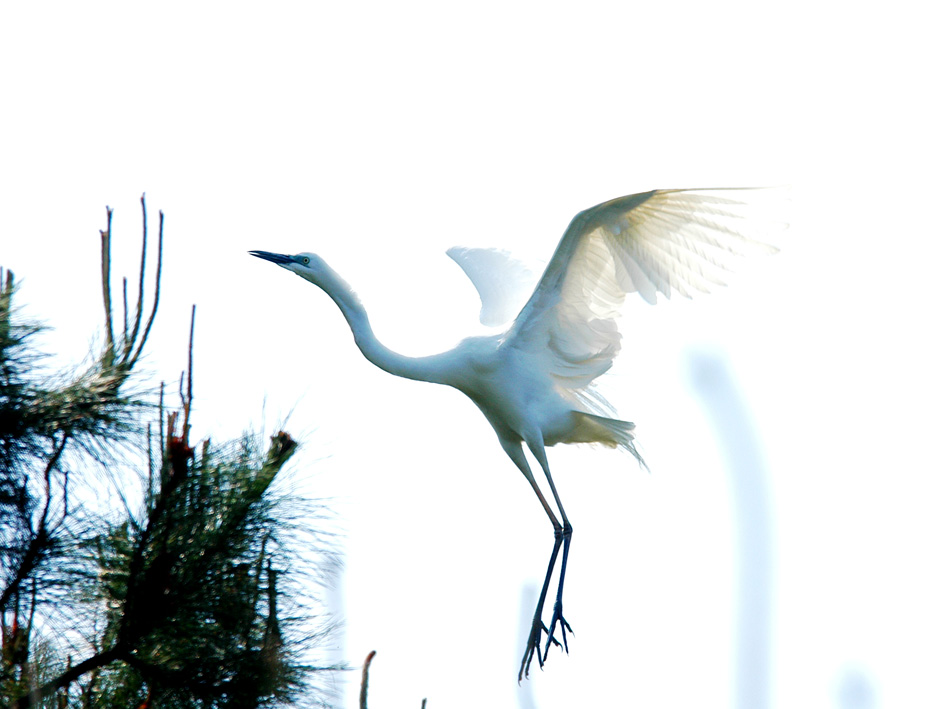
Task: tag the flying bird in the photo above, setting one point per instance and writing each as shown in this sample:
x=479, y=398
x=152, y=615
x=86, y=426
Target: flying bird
x=534, y=382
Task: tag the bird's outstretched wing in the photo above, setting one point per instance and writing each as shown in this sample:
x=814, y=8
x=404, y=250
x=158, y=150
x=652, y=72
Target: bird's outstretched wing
x=660, y=241
x=503, y=283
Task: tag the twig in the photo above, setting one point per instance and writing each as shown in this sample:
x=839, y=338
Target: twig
x=132, y=344
x=124, y=309
x=106, y=285
x=144, y=253
x=188, y=399
x=157, y=286
x=364, y=679
x=362, y=704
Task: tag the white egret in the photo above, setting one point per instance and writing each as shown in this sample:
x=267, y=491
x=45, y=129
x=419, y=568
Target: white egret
x=534, y=382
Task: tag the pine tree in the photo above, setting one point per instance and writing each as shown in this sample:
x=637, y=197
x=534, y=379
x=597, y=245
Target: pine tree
x=187, y=597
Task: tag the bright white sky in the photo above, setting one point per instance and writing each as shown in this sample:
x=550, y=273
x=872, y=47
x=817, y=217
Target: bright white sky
x=380, y=134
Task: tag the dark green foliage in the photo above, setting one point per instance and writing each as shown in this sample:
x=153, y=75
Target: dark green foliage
x=186, y=597
x=193, y=592
x=19, y=436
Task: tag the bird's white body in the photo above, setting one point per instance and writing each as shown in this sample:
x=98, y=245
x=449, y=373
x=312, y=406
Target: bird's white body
x=534, y=382
x=522, y=401
x=515, y=396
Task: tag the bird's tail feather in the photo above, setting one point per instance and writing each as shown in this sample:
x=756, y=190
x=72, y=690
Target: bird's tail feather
x=614, y=433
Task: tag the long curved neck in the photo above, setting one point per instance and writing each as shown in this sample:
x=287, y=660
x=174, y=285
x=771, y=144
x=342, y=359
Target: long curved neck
x=426, y=369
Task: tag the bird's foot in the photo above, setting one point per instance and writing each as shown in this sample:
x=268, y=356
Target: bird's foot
x=533, y=648
x=557, y=618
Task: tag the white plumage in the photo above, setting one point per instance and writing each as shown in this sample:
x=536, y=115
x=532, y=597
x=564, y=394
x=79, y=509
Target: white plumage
x=503, y=283
x=646, y=243
x=534, y=382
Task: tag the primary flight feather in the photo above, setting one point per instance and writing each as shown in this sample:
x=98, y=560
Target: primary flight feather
x=534, y=382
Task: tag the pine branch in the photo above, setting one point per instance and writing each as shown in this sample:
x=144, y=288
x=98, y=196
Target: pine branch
x=40, y=538
x=101, y=659
x=185, y=600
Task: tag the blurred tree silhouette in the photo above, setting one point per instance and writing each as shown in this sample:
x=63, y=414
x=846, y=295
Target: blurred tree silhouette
x=178, y=599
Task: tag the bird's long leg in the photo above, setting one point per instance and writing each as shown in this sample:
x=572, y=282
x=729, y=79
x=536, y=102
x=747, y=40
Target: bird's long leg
x=557, y=616
x=533, y=646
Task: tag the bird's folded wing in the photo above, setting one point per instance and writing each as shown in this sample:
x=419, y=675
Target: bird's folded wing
x=660, y=241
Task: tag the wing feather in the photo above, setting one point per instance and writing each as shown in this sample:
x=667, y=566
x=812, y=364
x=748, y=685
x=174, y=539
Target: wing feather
x=503, y=283
x=649, y=243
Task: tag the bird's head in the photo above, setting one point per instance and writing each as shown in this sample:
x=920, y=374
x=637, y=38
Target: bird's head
x=307, y=265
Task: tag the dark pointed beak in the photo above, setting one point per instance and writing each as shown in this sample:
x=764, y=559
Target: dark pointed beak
x=280, y=259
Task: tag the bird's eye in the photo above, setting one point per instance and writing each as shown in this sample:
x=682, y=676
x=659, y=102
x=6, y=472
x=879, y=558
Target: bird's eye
x=306, y=260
